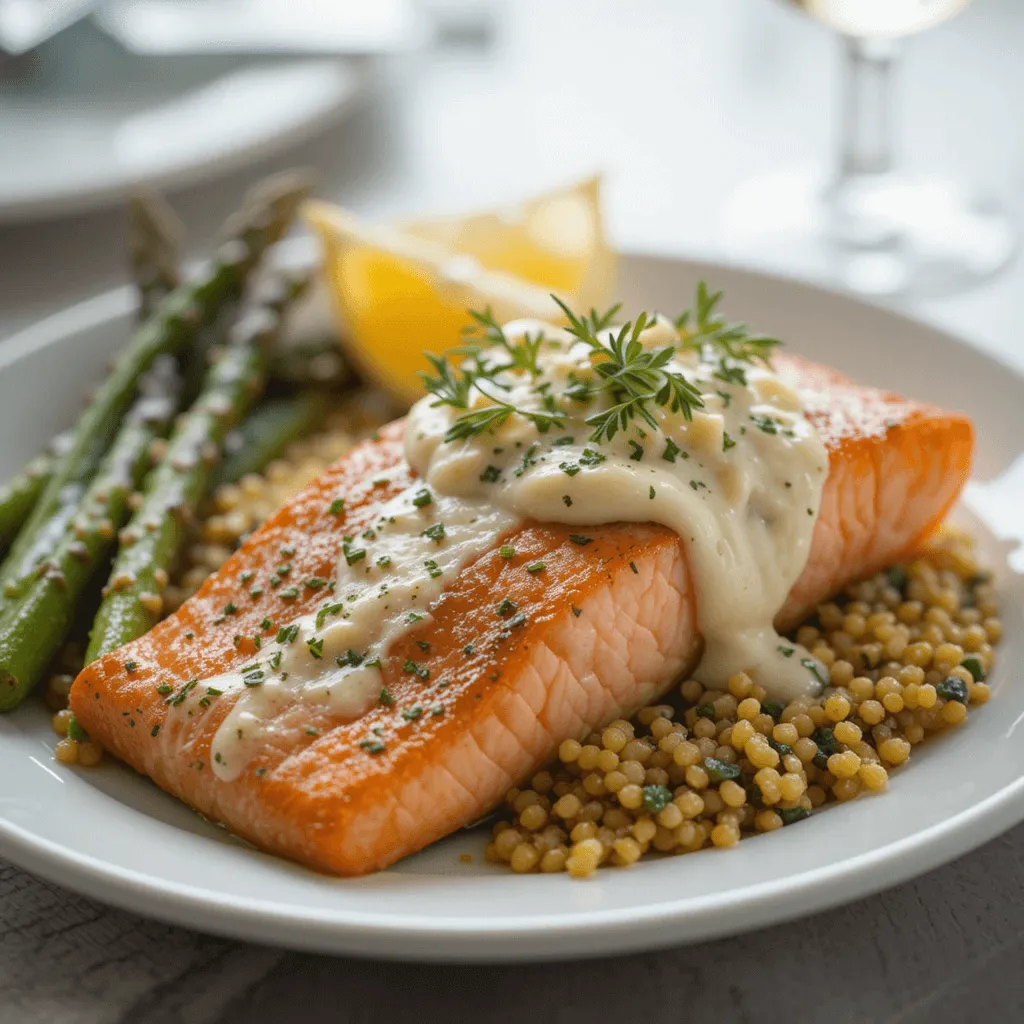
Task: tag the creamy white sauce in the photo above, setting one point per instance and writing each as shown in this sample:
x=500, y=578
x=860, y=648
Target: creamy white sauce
x=740, y=483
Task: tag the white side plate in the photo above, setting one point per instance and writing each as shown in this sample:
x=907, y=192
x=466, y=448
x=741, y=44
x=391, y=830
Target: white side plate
x=82, y=122
x=111, y=834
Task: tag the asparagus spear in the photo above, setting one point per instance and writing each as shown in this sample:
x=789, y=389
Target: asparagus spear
x=267, y=432
x=265, y=216
x=154, y=244
x=21, y=492
x=151, y=542
x=313, y=364
x=154, y=235
x=33, y=626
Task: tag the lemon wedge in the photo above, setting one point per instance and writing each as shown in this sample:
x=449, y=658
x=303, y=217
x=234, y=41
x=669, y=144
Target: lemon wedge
x=555, y=240
x=402, y=291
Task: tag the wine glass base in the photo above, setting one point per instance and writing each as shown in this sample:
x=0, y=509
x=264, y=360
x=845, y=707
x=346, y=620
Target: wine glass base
x=882, y=236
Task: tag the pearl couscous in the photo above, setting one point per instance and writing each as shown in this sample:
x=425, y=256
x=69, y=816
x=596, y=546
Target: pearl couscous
x=908, y=653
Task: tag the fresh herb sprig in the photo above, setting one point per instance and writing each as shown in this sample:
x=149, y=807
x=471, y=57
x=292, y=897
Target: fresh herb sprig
x=494, y=416
x=634, y=379
x=702, y=327
x=633, y=376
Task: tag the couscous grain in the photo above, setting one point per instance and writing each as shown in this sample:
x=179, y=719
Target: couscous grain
x=908, y=652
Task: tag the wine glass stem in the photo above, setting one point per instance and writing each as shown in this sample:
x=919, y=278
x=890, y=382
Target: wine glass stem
x=866, y=151
x=867, y=107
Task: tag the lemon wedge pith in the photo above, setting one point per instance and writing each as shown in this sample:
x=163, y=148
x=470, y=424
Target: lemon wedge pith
x=404, y=291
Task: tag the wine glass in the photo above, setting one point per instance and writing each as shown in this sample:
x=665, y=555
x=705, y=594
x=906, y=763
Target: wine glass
x=867, y=226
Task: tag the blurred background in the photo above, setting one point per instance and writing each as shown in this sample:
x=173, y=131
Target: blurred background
x=738, y=130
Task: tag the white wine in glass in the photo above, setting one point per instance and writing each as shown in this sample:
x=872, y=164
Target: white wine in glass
x=864, y=224
x=881, y=19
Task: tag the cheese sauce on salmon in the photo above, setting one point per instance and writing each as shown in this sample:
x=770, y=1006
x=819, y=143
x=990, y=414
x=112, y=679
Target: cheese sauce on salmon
x=737, y=473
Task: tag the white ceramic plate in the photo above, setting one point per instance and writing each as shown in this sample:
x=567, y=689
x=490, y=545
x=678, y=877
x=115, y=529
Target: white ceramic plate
x=82, y=121
x=113, y=835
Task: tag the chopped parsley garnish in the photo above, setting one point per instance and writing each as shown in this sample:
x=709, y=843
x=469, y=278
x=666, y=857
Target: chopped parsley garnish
x=569, y=468
x=576, y=611
x=130, y=666
x=719, y=771
x=384, y=561
x=727, y=441
x=350, y=659
x=337, y=507
x=328, y=609
x=672, y=451
x=507, y=551
x=433, y=568
x=288, y=634
x=435, y=532
x=657, y=798
x=974, y=665
x=316, y=646
x=566, y=501
x=254, y=678
x=289, y=594
x=373, y=746
x=786, y=652
x=765, y=424
x=352, y=555
x=75, y=731
x=164, y=688
x=636, y=451
x=591, y=458
x=316, y=582
x=412, y=668
x=155, y=730
x=636, y=571
x=421, y=499
x=490, y=475
x=536, y=567
x=411, y=714
x=814, y=668
x=789, y=815
x=560, y=442
x=275, y=663
x=952, y=688
x=283, y=569
x=506, y=608
x=385, y=697
x=266, y=624
x=245, y=577
x=287, y=551
x=579, y=538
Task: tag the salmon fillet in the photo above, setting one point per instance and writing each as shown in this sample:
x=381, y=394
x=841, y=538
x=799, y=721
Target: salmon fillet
x=609, y=629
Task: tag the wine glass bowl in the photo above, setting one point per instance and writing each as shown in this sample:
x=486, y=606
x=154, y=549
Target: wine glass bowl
x=863, y=224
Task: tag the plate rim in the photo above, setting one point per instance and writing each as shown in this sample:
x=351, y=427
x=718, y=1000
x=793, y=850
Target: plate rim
x=450, y=939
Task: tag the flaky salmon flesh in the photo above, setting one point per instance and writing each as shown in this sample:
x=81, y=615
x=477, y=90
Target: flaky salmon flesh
x=610, y=628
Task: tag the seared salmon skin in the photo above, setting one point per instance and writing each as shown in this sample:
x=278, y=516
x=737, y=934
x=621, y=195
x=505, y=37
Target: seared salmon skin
x=610, y=627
